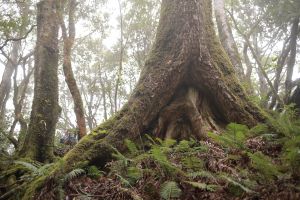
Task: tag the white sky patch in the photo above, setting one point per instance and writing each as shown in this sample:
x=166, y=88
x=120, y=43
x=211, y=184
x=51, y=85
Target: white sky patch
x=114, y=34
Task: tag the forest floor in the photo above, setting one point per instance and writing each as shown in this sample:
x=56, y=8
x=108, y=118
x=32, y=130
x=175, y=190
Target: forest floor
x=241, y=164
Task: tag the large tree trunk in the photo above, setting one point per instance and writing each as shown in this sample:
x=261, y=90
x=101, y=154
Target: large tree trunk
x=187, y=74
x=39, y=141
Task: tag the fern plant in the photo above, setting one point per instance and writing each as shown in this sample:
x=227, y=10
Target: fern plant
x=287, y=127
x=286, y=123
x=131, y=146
x=264, y=165
x=234, y=137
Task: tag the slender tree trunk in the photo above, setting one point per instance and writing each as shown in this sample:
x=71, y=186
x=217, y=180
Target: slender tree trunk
x=18, y=100
x=249, y=69
x=119, y=73
x=226, y=37
x=39, y=141
x=188, y=74
x=280, y=65
x=103, y=90
x=295, y=98
x=90, y=111
x=68, y=39
x=111, y=102
x=292, y=59
x=5, y=85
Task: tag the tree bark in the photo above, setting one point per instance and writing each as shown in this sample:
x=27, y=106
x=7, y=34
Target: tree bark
x=186, y=69
x=68, y=40
x=39, y=141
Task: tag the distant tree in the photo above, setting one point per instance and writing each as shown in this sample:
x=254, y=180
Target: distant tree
x=13, y=56
x=264, y=26
x=17, y=61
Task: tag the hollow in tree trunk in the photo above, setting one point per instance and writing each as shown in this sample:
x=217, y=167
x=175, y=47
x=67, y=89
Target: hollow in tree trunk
x=188, y=83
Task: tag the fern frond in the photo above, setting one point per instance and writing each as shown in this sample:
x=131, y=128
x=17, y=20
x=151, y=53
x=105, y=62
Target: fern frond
x=192, y=162
x=202, y=174
x=170, y=190
x=235, y=136
x=94, y=172
x=73, y=174
x=264, y=165
x=27, y=165
x=235, y=183
x=160, y=141
x=133, y=174
x=203, y=186
x=150, y=139
x=119, y=156
x=44, y=169
x=123, y=180
x=183, y=146
x=131, y=147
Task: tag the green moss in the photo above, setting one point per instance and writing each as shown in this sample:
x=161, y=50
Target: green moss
x=33, y=187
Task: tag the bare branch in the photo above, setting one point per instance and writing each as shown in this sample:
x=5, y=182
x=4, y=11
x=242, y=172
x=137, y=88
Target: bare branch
x=17, y=39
